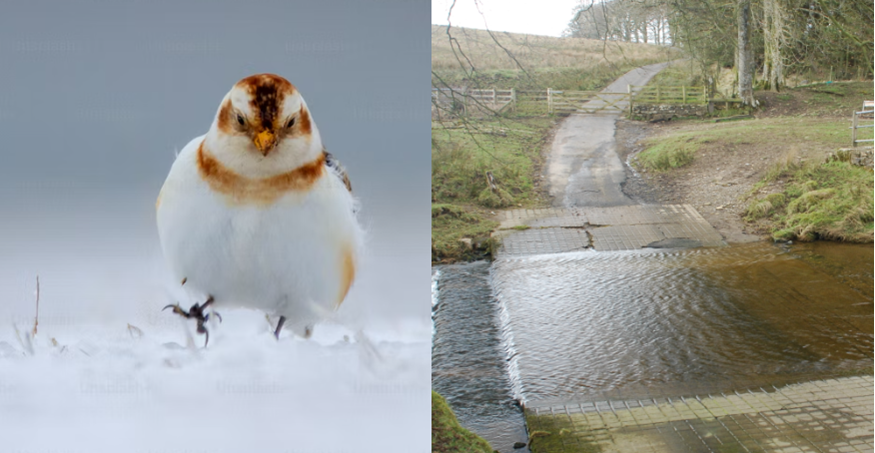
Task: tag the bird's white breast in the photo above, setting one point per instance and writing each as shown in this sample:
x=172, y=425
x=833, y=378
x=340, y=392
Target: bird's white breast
x=286, y=258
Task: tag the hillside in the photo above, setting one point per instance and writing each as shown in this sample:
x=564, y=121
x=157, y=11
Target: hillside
x=533, y=62
x=532, y=51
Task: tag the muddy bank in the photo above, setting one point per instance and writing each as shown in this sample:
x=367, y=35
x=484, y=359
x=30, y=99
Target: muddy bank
x=714, y=183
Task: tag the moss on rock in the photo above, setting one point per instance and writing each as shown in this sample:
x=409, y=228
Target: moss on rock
x=447, y=435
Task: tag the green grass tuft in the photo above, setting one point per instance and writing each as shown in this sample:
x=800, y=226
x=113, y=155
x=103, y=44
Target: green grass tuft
x=669, y=153
x=758, y=209
x=495, y=199
x=831, y=201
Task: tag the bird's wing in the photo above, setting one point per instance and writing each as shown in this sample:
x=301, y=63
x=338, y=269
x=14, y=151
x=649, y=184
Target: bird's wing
x=335, y=165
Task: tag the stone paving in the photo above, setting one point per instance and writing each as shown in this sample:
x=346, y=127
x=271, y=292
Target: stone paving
x=539, y=231
x=833, y=415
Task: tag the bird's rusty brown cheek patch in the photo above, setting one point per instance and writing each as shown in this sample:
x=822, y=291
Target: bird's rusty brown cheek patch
x=225, y=118
x=240, y=190
x=303, y=125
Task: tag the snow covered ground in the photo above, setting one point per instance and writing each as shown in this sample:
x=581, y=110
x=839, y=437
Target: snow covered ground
x=87, y=382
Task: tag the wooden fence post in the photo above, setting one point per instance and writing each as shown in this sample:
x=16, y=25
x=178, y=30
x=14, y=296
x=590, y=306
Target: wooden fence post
x=513, y=99
x=549, y=101
x=854, y=131
x=494, y=105
x=629, y=90
x=684, y=93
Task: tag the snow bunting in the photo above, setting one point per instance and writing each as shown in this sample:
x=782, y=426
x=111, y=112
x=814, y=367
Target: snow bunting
x=257, y=214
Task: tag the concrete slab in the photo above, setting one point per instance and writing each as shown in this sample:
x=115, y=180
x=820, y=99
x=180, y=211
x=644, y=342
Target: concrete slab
x=534, y=232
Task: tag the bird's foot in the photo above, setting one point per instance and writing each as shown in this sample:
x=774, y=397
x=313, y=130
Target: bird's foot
x=308, y=330
x=197, y=312
x=279, y=327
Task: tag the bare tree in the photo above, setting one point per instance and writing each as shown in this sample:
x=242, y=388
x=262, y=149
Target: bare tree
x=774, y=39
x=744, y=58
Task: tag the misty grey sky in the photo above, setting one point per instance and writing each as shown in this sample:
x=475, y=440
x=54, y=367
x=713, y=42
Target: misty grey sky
x=97, y=95
x=546, y=17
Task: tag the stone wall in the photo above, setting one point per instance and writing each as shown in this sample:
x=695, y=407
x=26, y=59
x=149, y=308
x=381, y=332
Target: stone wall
x=864, y=158
x=665, y=112
x=861, y=156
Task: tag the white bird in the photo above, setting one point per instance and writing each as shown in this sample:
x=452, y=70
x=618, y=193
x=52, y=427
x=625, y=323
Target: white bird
x=257, y=214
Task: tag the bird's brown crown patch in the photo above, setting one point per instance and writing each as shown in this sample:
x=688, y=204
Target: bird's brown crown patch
x=267, y=92
x=240, y=190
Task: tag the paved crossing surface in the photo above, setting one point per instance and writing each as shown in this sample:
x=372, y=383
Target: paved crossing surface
x=833, y=415
x=540, y=231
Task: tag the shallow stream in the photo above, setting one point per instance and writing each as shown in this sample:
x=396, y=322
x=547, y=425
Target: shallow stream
x=589, y=326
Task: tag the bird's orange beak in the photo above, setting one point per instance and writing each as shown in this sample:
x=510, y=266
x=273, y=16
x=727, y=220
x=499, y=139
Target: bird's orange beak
x=265, y=141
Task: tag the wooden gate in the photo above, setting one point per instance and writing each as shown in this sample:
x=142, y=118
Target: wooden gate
x=586, y=101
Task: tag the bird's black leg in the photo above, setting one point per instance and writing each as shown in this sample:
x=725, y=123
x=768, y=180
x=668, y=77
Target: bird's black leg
x=197, y=312
x=279, y=327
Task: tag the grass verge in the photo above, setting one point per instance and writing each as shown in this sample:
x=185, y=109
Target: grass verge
x=832, y=201
x=460, y=233
x=463, y=203
x=447, y=435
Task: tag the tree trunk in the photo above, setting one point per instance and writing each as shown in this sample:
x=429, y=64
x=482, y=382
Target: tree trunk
x=773, y=41
x=743, y=55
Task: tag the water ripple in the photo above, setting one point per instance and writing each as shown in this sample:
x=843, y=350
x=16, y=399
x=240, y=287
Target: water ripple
x=583, y=322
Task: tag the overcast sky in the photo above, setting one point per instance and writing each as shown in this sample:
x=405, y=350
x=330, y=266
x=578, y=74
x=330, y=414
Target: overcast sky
x=546, y=17
x=97, y=95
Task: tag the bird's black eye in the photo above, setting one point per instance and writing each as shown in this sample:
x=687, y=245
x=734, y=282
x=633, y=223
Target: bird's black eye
x=290, y=123
x=240, y=120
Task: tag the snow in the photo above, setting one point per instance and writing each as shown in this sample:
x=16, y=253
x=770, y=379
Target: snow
x=361, y=383
x=109, y=390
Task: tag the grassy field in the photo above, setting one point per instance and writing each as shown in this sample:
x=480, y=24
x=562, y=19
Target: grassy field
x=679, y=148
x=509, y=146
